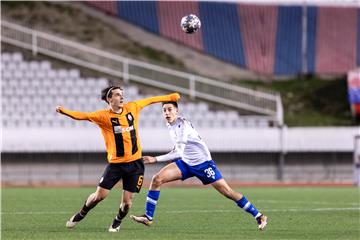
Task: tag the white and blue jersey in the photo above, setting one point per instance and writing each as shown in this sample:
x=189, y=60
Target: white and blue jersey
x=191, y=153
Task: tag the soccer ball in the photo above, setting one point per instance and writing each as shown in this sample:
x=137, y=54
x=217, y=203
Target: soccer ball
x=190, y=23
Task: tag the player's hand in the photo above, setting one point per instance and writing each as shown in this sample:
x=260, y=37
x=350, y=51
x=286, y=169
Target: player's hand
x=59, y=109
x=149, y=159
x=175, y=97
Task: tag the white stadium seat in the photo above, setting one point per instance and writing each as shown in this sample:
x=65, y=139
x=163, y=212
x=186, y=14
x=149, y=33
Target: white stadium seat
x=63, y=73
x=131, y=91
x=34, y=65
x=5, y=57
x=40, y=73
x=18, y=74
x=23, y=66
x=74, y=73
x=45, y=65
x=6, y=74
x=12, y=66
x=51, y=73
x=30, y=73
x=17, y=57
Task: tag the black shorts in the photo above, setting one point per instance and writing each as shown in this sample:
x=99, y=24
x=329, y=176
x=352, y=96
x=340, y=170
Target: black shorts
x=131, y=173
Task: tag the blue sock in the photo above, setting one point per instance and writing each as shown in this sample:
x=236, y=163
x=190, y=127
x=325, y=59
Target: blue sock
x=248, y=207
x=151, y=201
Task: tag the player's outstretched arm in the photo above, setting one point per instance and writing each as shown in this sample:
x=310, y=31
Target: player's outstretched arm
x=73, y=114
x=176, y=153
x=173, y=97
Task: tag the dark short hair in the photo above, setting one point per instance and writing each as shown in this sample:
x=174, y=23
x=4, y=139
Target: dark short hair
x=173, y=103
x=107, y=92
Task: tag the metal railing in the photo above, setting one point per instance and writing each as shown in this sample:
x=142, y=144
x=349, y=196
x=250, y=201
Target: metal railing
x=253, y=101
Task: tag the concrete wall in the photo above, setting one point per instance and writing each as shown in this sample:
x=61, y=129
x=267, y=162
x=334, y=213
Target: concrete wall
x=87, y=168
x=89, y=139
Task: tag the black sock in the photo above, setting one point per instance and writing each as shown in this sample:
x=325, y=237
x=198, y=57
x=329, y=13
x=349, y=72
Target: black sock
x=78, y=217
x=84, y=210
x=122, y=213
x=119, y=217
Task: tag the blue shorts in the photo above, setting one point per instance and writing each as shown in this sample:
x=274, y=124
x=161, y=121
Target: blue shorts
x=207, y=171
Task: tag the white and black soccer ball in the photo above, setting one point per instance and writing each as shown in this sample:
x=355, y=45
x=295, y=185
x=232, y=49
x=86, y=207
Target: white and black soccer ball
x=190, y=23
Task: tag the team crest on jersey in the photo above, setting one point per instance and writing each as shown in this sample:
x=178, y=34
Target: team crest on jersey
x=129, y=117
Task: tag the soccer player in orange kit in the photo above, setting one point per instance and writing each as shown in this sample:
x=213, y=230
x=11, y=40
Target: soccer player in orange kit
x=119, y=128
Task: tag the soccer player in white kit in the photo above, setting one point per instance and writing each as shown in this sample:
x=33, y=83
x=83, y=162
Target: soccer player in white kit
x=191, y=157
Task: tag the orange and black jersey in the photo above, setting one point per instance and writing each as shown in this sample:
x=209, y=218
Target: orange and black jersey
x=120, y=131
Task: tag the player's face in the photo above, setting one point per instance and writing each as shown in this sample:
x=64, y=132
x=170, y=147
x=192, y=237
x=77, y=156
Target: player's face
x=117, y=98
x=170, y=112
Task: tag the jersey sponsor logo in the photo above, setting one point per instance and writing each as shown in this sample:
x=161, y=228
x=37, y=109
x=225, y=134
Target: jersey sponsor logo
x=119, y=129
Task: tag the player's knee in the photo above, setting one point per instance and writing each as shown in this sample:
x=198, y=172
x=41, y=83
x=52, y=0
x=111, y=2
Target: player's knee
x=98, y=197
x=157, y=180
x=126, y=206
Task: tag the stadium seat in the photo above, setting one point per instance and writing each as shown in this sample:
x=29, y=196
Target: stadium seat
x=131, y=91
x=34, y=65
x=5, y=57
x=11, y=66
x=6, y=74
x=45, y=65
x=64, y=74
x=51, y=73
x=23, y=66
x=18, y=75
x=17, y=57
x=74, y=73
x=40, y=74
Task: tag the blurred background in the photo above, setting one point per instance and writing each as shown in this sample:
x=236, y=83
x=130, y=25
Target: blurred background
x=273, y=87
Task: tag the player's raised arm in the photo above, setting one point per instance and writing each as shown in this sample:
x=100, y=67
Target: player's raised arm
x=174, y=97
x=90, y=116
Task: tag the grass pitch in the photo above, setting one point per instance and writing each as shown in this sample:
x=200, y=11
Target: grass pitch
x=185, y=213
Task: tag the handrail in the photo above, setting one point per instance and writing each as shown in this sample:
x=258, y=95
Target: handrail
x=254, y=101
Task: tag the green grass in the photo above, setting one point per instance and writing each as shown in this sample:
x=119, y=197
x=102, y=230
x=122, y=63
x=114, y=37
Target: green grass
x=185, y=213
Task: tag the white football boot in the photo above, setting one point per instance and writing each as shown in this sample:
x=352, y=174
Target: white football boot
x=262, y=221
x=142, y=219
x=113, y=230
x=71, y=223
x=115, y=226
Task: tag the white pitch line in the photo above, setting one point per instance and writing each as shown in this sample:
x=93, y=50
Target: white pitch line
x=313, y=209
x=34, y=213
x=270, y=210
x=205, y=211
x=309, y=202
